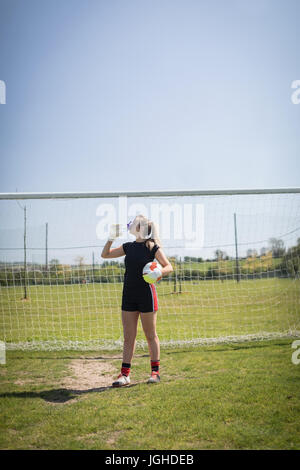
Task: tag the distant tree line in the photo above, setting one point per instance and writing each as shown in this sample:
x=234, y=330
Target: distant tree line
x=272, y=261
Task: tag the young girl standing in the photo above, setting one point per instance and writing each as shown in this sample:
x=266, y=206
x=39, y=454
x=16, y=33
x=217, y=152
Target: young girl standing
x=139, y=298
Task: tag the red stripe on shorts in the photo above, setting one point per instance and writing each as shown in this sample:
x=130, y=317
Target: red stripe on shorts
x=154, y=297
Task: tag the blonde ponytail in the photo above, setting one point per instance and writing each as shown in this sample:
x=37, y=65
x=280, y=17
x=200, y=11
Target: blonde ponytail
x=155, y=233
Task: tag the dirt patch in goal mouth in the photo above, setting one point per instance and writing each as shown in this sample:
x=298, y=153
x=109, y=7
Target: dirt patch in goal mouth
x=89, y=373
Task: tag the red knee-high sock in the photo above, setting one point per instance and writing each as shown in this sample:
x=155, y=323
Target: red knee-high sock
x=125, y=369
x=155, y=366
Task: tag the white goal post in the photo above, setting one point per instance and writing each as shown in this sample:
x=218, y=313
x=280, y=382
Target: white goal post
x=235, y=257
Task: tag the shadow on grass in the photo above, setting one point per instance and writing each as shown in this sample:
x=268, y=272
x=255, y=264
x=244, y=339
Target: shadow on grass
x=60, y=395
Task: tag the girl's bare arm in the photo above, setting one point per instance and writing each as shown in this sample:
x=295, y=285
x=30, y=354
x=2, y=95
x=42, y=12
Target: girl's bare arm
x=164, y=262
x=109, y=252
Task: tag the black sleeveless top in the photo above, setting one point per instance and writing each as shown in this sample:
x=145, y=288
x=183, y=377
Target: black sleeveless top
x=137, y=255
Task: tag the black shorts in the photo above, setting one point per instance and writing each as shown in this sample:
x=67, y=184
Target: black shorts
x=142, y=299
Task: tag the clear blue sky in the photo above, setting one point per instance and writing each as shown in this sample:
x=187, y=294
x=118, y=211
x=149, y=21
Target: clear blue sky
x=132, y=95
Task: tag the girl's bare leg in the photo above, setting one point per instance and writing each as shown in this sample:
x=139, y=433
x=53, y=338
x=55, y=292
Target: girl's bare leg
x=130, y=322
x=149, y=326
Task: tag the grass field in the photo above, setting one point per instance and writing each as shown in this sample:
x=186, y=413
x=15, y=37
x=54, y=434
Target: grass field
x=203, y=310
x=227, y=396
x=242, y=396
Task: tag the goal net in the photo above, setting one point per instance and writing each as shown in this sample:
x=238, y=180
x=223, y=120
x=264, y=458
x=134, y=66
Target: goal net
x=235, y=258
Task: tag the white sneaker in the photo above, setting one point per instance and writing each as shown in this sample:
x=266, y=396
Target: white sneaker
x=121, y=381
x=154, y=378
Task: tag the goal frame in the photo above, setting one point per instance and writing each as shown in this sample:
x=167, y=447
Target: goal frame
x=15, y=196
x=148, y=193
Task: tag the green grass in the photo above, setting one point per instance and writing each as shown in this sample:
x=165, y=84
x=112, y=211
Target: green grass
x=242, y=396
x=204, y=309
x=231, y=396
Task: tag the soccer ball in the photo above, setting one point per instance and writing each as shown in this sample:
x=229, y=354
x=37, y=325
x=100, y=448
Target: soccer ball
x=152, y=272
